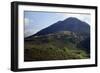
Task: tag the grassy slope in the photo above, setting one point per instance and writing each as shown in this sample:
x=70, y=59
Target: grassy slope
x=53, y=48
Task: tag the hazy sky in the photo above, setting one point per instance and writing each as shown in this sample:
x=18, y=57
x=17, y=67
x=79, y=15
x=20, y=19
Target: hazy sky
x=35, y=21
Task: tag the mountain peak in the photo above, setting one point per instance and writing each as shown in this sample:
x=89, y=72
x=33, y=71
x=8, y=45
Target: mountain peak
x=71, y=18
x=70, y=24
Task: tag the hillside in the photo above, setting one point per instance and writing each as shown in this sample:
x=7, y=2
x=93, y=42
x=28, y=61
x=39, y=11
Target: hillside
x=56, y=46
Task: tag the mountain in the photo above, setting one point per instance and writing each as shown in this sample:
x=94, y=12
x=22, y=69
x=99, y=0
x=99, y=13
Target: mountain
x=67, y=39
x=69, y=24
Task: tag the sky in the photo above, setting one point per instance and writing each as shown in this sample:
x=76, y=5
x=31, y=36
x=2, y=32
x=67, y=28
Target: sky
x=35, y=21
